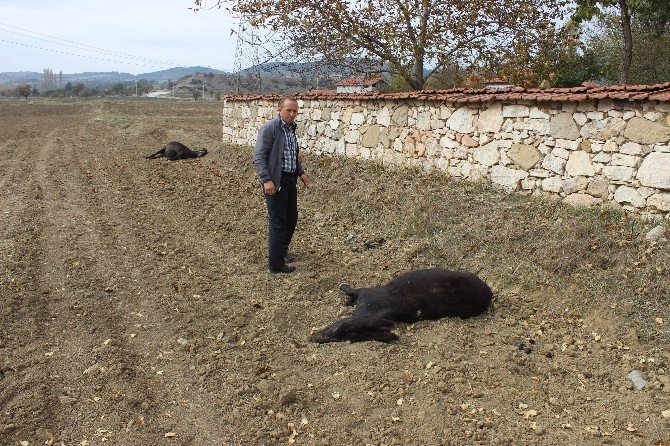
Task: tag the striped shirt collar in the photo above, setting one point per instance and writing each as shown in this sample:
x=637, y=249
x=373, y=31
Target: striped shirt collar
x=287, y=126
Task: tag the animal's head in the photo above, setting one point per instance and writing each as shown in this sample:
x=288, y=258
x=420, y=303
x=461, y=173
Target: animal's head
x=202, y=152
x=357, y=329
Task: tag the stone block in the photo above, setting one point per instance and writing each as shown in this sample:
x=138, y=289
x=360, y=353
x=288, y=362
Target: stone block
x=554, y=164
x=620, y=174
x=507, y=178
x=632, y=148
x=399, y=116
x=469, y=141
x=602, y=157
x=603, y=129
x=598, y=187
x=563, y=126
x=619, y=159
x=568, y=144
x=653, y=116
x=352, y=136
x=576, y=184
x=581, y=200
x=423, y=120
x=515, y=111
x=536, y=113
x=579, y=164
x=655, y=171
x=461, y=121
x=595, y=116
x=487, y=155
x=524, y=156
x=580, y=118
x=626, y=195
x=645, y=131
x=384, y=117
x=560, y=152
x=528, y=183
x=371, y=136
x=552, y=184
x=357, y=118
x=660, y=202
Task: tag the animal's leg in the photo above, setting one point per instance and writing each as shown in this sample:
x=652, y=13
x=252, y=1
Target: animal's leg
x=161, y=152
x=353, y=294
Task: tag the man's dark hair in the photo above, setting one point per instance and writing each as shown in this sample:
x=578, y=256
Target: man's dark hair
x=286, y=99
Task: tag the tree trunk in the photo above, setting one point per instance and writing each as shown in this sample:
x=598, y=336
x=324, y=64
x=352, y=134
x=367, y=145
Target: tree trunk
x=627, y=42
x=417, y=75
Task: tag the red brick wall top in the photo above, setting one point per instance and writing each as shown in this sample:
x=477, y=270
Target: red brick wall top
x=657, y=92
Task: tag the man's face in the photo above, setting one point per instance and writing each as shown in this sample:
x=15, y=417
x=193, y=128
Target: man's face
x=288, y=111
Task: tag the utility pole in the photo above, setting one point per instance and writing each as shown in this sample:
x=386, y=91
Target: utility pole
x=135, y=88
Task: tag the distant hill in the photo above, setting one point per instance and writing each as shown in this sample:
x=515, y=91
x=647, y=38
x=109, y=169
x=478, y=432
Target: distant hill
x=102, y=79
x=276, y=77
x=176, y=73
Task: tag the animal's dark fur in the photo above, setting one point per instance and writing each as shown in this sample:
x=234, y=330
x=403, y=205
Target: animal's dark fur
x=412, y=296
x=175, y=151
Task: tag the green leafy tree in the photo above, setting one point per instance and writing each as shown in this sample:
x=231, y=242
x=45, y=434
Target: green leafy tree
x=78, y=88
x=559, y=59
x=650, y=63
x=23, y=90
x=655, y=14
x=404, y=37
x=116, y=89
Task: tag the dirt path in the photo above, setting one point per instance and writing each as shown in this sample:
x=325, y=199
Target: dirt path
x=136, y=308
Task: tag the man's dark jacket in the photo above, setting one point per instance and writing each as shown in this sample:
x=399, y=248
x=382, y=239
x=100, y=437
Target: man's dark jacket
x=269, y=152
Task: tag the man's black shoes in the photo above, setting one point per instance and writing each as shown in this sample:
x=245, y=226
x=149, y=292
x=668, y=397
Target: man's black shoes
x=286, y=269
x=288, y=258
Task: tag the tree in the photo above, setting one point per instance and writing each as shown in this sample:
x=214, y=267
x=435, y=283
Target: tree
x=656, y=14
x=23, y=90
x=78, y=88
x=650, y=63
x=404, y=37
x=116, y=89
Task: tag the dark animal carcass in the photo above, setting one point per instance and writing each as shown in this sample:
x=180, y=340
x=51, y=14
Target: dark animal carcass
x=175, y=151
x=413, y=296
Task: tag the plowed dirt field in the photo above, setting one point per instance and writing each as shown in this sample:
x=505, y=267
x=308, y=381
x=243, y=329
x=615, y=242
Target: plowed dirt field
x=136, y=307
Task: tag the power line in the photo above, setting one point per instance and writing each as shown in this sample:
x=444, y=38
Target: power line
x=82, y=55
x=81, y=46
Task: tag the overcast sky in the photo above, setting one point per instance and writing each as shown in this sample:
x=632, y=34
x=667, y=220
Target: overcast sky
x=132, y=36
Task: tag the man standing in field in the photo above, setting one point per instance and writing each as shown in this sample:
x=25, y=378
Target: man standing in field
x=276, y=157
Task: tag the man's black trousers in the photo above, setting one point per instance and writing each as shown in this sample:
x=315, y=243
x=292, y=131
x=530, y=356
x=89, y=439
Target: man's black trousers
x=282, y=219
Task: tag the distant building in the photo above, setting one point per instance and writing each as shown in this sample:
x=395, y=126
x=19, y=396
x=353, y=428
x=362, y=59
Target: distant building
x=359, y=85
x=497, y=84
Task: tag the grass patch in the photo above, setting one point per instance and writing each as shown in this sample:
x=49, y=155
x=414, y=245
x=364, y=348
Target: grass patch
x=578, y=257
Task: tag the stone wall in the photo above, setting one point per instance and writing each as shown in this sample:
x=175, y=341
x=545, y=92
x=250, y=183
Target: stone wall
x=586, y=152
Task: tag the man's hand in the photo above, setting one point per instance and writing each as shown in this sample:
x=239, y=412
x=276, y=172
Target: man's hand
x=269, y=188
x=305, y=180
